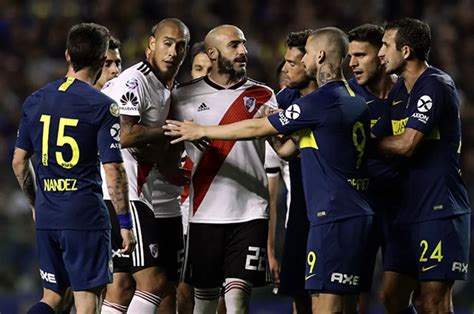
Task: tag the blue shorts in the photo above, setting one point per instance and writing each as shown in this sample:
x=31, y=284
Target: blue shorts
x=80, y=259
x=433, y=250
x=336, y=256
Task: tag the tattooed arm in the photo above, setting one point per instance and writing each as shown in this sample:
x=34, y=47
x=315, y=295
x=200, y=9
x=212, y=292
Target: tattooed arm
x=25, y=175
x=117, y=185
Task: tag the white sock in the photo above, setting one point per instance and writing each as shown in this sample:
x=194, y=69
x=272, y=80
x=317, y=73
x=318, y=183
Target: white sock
x=206, y=300
x=112, y=308
x=237, y=295
x=144, y=303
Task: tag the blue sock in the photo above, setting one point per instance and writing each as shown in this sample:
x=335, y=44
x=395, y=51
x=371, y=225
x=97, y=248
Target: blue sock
x=409, y=310
x=40, y=308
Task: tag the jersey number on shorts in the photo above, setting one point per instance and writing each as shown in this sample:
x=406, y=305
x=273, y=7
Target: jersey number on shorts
x=311, y=261
x=436, y=254
x=358, y=137
x=61, y=141
x=259, y=256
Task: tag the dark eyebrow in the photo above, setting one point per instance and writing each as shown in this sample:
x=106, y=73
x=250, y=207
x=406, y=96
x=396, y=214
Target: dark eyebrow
x=233, y=42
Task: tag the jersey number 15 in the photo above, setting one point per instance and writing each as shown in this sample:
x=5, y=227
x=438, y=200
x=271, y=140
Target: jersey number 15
x=61, y=141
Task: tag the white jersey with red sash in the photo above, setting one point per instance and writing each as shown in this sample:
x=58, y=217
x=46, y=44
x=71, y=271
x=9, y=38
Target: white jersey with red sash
x=229, y=183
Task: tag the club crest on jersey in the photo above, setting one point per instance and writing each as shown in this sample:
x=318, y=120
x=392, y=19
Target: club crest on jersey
x=424, y=103
x=249, y=103
x=114, y=110
x=132, y=83
x=115, y=132
x=129, y=98
x=154, y=250
x=293, y=112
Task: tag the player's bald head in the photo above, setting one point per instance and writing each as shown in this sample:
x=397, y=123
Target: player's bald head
x=332, y=40
x=170, y=22
x=221, y=35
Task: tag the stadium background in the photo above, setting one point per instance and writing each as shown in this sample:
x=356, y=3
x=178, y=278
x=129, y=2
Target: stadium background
x=32, y=43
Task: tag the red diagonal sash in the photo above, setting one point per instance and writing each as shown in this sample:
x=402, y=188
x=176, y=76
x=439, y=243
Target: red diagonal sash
x=217, y=151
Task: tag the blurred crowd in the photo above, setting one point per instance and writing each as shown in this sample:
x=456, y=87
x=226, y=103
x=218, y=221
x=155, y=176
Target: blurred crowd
x=32, y=45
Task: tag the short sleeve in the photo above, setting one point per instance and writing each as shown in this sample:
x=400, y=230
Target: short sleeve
x=129, y=93
x=272, y=161
x=302, y=114
x=23, y=139
x=108, y=138
x=425, y=106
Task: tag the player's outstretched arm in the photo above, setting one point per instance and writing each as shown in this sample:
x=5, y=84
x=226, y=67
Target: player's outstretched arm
x=117, y=185
x=25, y=175
x=133, y=134
x=403, y=144
x=242, y=130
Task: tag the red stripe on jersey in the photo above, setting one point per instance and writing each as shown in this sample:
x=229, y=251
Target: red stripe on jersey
x=143, y=170
x=217, y=151
x=188, y=165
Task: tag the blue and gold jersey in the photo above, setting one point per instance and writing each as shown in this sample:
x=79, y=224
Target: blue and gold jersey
x=333, y=127
x=285, y=99
x=384, y=173
x=434, y=187
x=66, y=125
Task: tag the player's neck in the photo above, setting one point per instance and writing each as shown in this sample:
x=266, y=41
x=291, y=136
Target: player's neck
x=84, y=75
x=308, y=89
x=224, y=80
x=413, y=70
x=381, y=86
x=328, y=72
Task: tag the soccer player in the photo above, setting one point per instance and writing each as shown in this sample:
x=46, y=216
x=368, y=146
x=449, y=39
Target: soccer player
x=113, y=64
x=143, y=91
x=333, y=127
x=293, y=261
x=201, y=64
x=229, y=195
x=435, y=215
x=383, y=94
x=66, y=125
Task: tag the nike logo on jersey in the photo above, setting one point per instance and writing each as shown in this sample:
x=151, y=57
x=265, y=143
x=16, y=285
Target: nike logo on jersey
x=203, y=107
x=369, y=101
x=423, y=269
x=396, y=102
x=309, y=277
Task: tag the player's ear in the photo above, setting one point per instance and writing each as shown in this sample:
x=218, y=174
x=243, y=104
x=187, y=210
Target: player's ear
x=151, y=42
x=67, y=56
x=407, y=52
x=321, y=56
x=212, y=53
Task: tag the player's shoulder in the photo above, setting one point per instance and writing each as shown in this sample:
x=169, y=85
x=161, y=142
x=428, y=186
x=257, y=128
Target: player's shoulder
x=189, y=84
x=434, y=79
x=190, y=89
x=251, y=82
x=287, y=96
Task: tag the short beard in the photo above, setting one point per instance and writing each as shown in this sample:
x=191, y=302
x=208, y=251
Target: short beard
x=225, y=66
x=302, y=83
